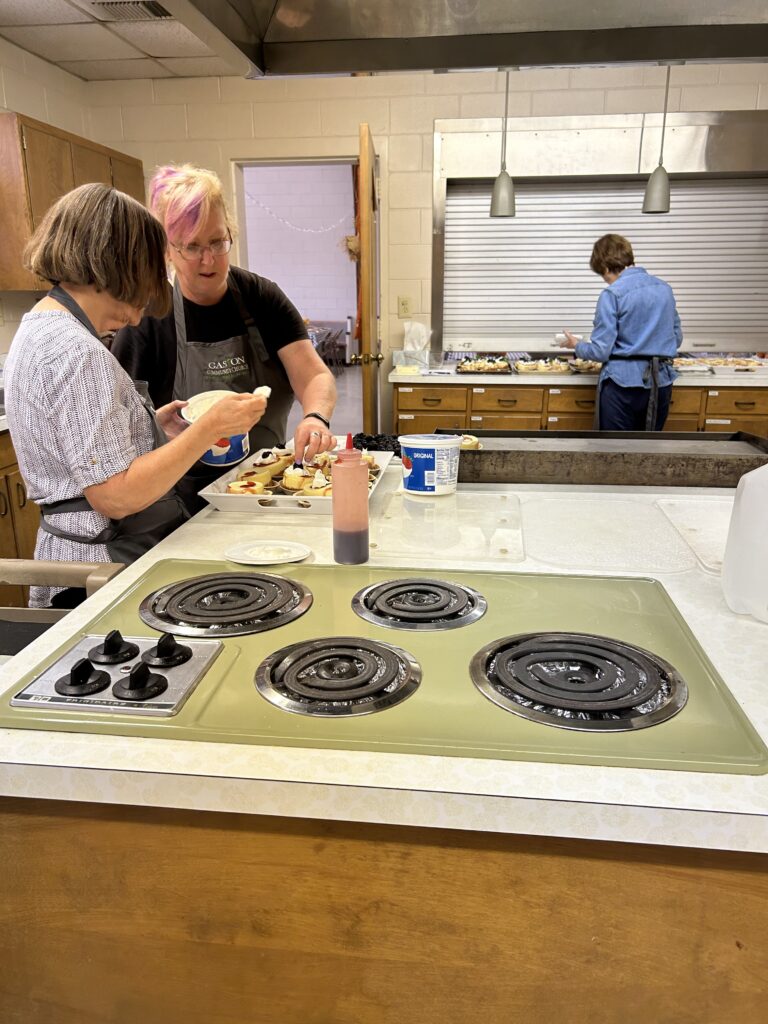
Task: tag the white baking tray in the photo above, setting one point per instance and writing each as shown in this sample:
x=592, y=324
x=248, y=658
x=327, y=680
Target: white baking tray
x=759, y=369
x=216, y=493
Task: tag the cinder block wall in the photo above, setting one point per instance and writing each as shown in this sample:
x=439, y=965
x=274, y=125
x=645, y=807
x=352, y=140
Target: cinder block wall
x=215, y=121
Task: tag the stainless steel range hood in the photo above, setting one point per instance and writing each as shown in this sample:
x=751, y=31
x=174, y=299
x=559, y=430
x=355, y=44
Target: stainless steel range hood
x=302, y=37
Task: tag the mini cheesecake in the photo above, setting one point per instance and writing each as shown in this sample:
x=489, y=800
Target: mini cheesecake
x=245, y=487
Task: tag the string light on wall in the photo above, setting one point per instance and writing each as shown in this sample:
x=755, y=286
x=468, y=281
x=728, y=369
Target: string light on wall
x=503, y=195
x=346, y=218
x=656, y=198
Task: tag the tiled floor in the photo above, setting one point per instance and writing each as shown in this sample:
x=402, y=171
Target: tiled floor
x=348, y=415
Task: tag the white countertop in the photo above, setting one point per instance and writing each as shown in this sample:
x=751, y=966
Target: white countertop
x=690, y=380
x=682, y=539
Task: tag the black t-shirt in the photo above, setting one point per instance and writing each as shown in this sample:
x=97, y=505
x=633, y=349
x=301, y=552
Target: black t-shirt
x=148, y=352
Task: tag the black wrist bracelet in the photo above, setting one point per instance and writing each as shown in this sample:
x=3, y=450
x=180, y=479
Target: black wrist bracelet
x=317, y=416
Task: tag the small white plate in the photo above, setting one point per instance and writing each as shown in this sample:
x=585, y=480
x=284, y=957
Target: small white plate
x=267, y=552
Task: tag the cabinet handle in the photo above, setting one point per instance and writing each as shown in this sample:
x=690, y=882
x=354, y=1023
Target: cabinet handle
x=507, y=401
x=3, y=506
x=588, y=402
x=744, y=405
x=21, y=495
x=432, y=401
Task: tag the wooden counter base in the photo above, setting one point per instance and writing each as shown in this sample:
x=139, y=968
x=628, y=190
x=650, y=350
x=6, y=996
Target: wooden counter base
x=117, y=915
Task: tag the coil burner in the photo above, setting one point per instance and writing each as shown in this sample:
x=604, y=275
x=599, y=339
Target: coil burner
x=337, y=676
x=419, y=604
x=577, y=681
x=225, y=604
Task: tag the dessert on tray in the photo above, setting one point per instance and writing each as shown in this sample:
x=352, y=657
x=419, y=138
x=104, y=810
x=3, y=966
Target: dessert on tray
x=542, y=366
x=484, y=364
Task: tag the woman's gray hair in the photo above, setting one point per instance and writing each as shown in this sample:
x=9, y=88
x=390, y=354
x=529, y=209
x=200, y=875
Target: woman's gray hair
x=96, y=235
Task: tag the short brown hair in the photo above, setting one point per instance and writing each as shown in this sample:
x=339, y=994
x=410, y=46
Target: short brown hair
x=96, y=235
x=611, y=253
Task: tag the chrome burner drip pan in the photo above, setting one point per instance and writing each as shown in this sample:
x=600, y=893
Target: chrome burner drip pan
x=419, y=603
x=338, y=676
x=226, y=604
x=577, y=681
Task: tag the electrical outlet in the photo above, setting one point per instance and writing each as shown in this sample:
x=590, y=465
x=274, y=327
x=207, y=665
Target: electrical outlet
x=404, y=306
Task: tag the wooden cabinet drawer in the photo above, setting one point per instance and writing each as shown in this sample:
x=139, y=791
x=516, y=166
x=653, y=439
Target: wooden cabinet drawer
x=571, y=400
x=737, y=402
x=426, y=423
x=503, y=400
x=505, y=421
x=685, y=400
x=570, y=421
x=750, y=424
x=446, y=399
x=682, y=423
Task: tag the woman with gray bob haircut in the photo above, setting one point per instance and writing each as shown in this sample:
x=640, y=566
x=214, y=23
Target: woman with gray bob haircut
x=93, y=452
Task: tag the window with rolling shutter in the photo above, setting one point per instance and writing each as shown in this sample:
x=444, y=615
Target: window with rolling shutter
x=513, y=283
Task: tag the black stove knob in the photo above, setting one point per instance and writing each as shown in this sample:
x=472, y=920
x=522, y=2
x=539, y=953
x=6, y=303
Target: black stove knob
x=167, y=652
x=82, y=680
x=113, y=650
x=140, y=684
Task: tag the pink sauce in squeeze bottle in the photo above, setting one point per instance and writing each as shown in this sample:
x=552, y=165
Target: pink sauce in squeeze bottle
x=349, y=504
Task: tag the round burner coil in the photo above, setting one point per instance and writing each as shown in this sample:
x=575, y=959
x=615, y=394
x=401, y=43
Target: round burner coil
x=419, y=604
x=337, y=676
x=578, y=681
x=225, y=604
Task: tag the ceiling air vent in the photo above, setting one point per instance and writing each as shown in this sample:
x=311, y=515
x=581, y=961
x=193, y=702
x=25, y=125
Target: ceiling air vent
x=124, y=10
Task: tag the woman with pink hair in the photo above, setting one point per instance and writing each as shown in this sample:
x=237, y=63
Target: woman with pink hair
x=229, y=329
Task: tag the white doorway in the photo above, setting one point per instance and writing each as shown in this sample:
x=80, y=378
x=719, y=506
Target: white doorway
x=296, y=219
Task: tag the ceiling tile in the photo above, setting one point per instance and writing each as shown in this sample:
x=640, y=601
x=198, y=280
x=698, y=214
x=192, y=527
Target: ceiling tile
x=200, y=67
x=70, y=42
x=162, y=38
x=106, y=70
x=39, y=12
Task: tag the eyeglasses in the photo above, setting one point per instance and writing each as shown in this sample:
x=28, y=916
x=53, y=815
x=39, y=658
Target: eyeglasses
x=218, y=247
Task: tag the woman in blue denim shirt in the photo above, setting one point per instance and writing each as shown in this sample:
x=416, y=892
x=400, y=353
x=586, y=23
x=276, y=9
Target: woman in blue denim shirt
x=636, y=335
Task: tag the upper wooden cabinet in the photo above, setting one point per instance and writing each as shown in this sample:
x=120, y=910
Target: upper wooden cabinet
x=38, y=164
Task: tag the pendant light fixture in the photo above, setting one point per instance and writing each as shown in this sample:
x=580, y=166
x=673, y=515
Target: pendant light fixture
x=503, y=196
x=657, y=190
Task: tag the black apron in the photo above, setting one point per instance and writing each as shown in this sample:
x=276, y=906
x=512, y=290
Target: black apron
x=652, y=374
x=128, y=538
x=240, y=364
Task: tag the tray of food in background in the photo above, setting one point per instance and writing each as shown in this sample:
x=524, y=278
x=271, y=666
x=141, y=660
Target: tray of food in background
x=269, y=481
x=484, y=364
x=584, y=366
x=730, y=365
x=542, y=366
x=690, y=365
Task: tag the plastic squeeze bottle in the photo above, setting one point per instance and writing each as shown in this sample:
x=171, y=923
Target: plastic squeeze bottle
x=349, y=505
x=745, y=563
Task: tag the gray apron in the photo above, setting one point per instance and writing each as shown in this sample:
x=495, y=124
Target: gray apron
x=238, y=364
x=128, y=538
x=652, y=374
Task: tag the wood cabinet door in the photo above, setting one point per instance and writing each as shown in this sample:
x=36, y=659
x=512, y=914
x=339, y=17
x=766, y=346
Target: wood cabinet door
x=750, y=424
x=427, y=422
x=12, y=597
x=506, y=421
x=25, y=514
x=685, y=401
x=570, y=421
x=129, y=177
x=681, y=423
x=48, y=160
x=435, y=399
x=571, y=399
x=505, y=400
x=90, y=165
x=737, y=402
